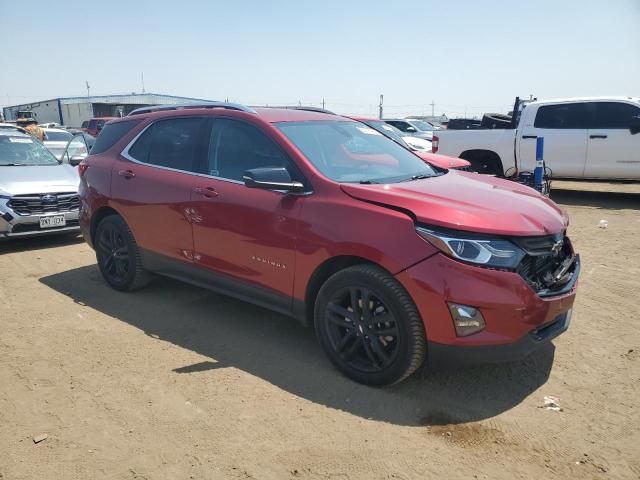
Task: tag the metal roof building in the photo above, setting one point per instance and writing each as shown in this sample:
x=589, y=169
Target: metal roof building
x=72, y=111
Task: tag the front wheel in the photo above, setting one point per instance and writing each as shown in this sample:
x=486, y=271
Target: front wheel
x=118, y=255
x=369, y=327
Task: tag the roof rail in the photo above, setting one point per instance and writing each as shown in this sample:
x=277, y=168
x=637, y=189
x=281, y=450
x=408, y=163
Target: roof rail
x=186, y=106
x=296, y=107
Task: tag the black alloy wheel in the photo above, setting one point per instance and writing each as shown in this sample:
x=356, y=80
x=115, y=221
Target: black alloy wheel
x=361, y=329
x=368, y=326
x=118, y=255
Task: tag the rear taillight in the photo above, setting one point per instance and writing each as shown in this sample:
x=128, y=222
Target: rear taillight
x=82, y=167
x=434, y=144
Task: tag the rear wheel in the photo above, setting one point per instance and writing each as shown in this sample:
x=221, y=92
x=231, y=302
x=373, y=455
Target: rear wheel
x=369, y=327
x=118, y=255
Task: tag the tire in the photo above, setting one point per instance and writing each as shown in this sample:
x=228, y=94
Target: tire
x=371, y=352
x=118, y=255
x=485, y=164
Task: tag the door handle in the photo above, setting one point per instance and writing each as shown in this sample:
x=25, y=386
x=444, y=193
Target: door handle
x=529, y=136
x=126, y=174
x=597, y=136
x=208, y=192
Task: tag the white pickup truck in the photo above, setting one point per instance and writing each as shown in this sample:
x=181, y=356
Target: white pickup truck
x=595, y=138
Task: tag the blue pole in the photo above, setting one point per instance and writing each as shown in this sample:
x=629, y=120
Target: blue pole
x=538, y=173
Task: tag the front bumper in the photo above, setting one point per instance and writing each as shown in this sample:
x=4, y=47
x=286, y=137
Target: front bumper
x=518, y=320
x=13, y=225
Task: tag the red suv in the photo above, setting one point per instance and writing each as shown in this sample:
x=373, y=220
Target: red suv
x=324, y=219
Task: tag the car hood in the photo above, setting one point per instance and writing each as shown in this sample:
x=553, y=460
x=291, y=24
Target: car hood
x=468, y=201
x=38, y=179
x=442, y=161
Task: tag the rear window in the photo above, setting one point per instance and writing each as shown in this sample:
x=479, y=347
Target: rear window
x=110, y=134
x=58, y=136
x=562, y=116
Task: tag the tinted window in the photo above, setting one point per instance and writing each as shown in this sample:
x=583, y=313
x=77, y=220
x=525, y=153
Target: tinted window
x=236, y=147
x=565, y=116
x=110, y=134
x=403, y=126
x=353, y=152
x=173, y=143
x=611, y=115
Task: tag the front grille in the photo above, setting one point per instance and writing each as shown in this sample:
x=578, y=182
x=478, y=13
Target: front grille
x=35, y=227
x=548, y=264
x=43, y=203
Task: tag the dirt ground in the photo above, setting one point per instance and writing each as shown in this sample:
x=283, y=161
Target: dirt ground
x=174, y=382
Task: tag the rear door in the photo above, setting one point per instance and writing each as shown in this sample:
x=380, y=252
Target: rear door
x=151, y=186
x=246, y=236
x=564, y=130
x=613, y=151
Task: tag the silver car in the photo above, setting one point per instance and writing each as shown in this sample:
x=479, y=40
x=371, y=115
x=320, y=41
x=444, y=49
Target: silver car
x=56, y=140
x=38, y=194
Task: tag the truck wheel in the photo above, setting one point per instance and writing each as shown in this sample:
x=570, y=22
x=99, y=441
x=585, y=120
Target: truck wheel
x=486, y=164
x=118, y=255
x=369, y=327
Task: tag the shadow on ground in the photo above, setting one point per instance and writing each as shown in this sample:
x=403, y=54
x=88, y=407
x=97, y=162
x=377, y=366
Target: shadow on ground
x=282, y=352
x=606, y=200
x=24, y=244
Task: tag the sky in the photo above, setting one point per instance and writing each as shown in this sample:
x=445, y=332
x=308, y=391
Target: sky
x=466, y=56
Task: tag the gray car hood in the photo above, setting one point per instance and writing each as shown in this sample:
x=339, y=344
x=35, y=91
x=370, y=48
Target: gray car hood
x=38, y=179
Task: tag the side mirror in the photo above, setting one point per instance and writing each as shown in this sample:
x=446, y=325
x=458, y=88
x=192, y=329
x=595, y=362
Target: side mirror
x=76, y=159
x=634, y=126
x=411, y=129
x=271, y=178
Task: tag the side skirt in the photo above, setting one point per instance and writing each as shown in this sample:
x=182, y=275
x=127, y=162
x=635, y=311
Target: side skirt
x=220, y=283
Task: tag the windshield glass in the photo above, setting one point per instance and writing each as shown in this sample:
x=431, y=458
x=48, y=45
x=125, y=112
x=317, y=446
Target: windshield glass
x=58, y=136
x=423, y=126
x=352, y=152
x=24, y=151
x=384, y=128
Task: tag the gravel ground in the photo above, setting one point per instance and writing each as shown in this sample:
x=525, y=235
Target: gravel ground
x=175, y=382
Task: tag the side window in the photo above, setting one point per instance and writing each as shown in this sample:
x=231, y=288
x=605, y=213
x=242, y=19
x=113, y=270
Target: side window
x=612, y=115
x=236, y=147
x=400, y=125
x=173, y=143
x=562, y=116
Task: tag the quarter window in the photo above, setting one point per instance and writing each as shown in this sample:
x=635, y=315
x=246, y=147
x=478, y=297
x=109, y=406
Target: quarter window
x=173, y=143
x=236, y=147
x=561, y=116
x=612, y=115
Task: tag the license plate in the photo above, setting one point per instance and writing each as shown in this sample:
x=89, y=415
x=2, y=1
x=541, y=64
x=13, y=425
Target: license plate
x=52, y=221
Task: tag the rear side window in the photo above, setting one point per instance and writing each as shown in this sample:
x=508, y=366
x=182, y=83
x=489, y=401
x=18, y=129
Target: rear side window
x=611, y=115
x=174, y=143
x=562, y=116
x=110, y=134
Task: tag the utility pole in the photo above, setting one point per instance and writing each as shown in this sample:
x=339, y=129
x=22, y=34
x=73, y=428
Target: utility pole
x=142, y=76
x=299, y=103
x=380, y=107
x=323, y=103
x=433, y=108
x=88, y=88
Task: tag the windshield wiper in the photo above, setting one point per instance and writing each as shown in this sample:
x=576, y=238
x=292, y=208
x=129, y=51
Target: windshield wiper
x=367, y=182
x=419, y=176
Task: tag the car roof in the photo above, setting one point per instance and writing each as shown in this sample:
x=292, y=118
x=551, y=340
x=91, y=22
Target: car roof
x=55, y=130
x=584, y=99
x=364, y=119
x=7, y=132
x=395, y=120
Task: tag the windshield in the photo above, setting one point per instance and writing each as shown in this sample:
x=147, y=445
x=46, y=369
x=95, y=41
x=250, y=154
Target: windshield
x=58, y=136
x=24, y=151
x=387, y=130
x=352, y=152
x=422, y=126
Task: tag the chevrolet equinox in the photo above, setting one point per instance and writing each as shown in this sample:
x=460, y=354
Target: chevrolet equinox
x=322, y=218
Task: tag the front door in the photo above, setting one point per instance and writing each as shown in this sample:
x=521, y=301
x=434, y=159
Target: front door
x=152, y=182
x=613, y=151
x=565, y=139
x=245, y=236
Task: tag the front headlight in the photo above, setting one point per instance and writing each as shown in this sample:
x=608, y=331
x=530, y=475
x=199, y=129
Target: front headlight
x=495, y=253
